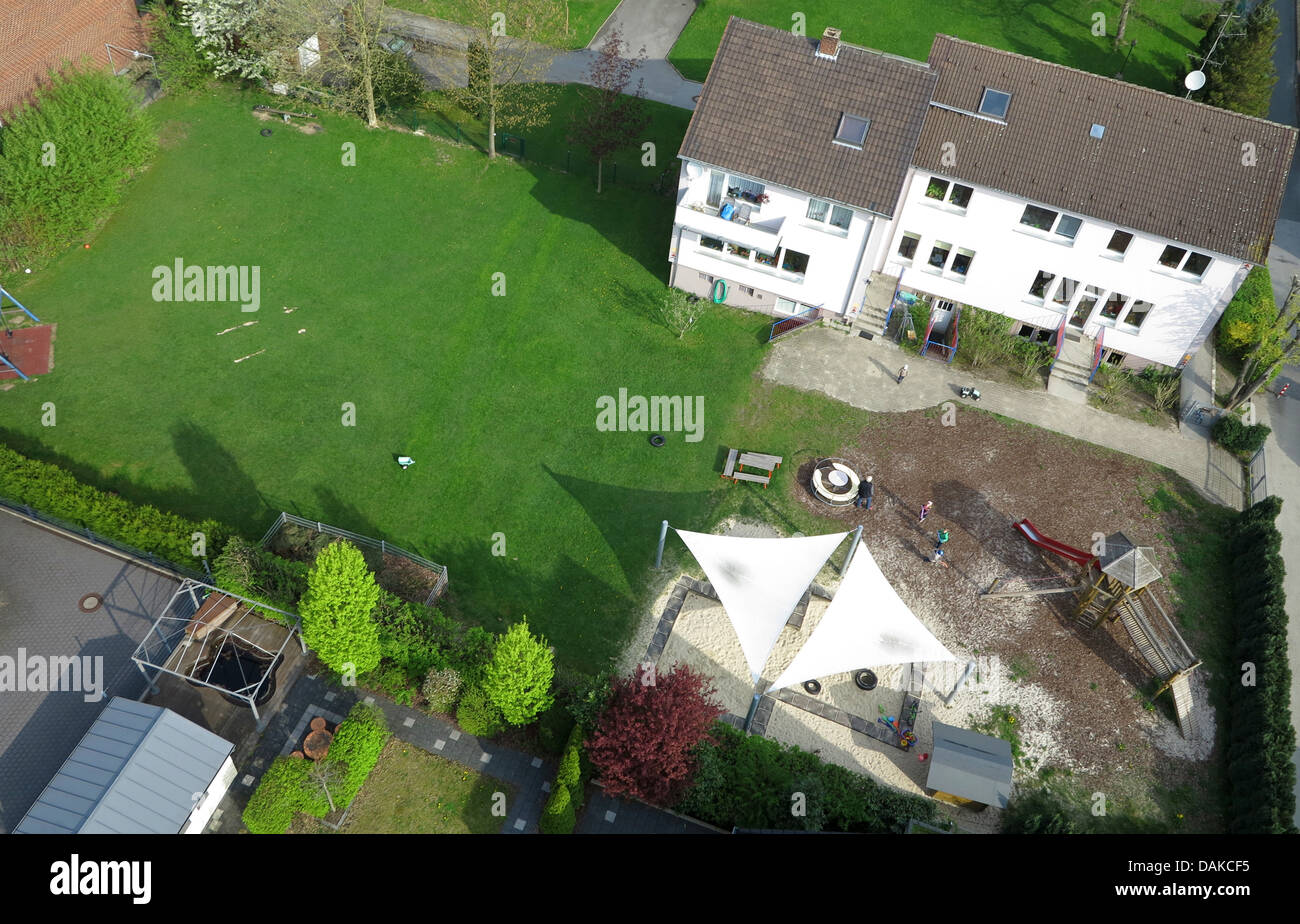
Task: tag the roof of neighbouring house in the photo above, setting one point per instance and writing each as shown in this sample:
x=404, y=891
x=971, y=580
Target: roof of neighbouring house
x=971, y=766
x=39, y=35
x=771, y=107
x=1164, y=165
x=140, y=769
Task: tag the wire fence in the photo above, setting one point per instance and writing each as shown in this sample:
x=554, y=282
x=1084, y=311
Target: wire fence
x=1256, y=477
x=378, y=545
x=622, y=171
x=84, y=532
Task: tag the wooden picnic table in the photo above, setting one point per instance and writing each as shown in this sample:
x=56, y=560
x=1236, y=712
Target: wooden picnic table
x=768, y=463
x=737, y=460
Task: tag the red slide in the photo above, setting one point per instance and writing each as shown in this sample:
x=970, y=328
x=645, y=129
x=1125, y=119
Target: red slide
x=1030, y=532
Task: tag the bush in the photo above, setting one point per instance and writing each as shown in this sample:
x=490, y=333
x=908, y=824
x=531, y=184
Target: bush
x=571, y=774
x=587, y=697
x=89, y=124
x=397, y=85
x=1249, y=315
x=442, y=688
x=1236, y=436
x=53, y=491
x=472, y=653
x=518, y=678
x=553, y=729
x=252, y=571
x=278, y=797
x=356, y=746
x=478, y=715
x=391, y=680
x=181, y=66
x=558, y=816
x=413, y=636
x=337, y=610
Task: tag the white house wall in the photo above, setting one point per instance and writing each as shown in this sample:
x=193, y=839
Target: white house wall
x=832, y=257
x=1008, y=256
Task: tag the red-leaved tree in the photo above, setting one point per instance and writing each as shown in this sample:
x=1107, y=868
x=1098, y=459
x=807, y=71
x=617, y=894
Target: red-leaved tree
x=643, y=741
x=610, y=119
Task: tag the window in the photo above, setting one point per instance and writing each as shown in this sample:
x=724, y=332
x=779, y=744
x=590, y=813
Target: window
x=794, y=262
x=707, y=278
x=1172, y=256
x=1026, y=330
x=995, y=103
x=1115, y=359
x=1119, y=242
x=961, y=263
x=1197, y=264
x=944, y=191
x=1042, y=219
x=907, y=246
x=712, y=243
x=960, y=195
x=817, y=209
x=1083, y=310
x=785, y=306
x=737, y=251
x=937, y=189
x=1068, y=226
x=852, y=130
x=1114, y=305
x=939, y=255
x=746, y=290
x=764, y=259
x=716, y=180
x=841, y=217
x=1039, y=287
x=1065, y=292
x=1138, y=313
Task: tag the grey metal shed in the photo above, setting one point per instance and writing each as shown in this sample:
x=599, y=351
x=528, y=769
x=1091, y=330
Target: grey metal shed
x=140, y=769
x=969, y=767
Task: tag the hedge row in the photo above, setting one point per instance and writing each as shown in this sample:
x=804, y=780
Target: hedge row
x=1261, y=739
x=1237, y=436
x=750, y=782
x=560, y=814
x=55, y=492
x=287, y=788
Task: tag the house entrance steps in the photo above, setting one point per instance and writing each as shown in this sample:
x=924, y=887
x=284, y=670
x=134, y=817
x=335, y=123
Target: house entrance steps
x=875, y=304
x=1073, y=368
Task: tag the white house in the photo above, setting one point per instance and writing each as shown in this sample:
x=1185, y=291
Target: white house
x=1111, y=220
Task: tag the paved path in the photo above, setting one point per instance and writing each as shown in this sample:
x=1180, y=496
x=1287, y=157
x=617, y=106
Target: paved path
x=645, y=22
x=862, y=373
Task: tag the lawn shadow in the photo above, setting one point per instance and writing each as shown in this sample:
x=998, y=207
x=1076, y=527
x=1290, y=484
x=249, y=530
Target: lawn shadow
x=215, y=472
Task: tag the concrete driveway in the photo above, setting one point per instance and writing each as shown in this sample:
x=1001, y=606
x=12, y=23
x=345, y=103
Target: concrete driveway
x=652, y=24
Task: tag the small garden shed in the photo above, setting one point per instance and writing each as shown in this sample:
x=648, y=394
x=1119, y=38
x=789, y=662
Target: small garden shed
x=970, y=769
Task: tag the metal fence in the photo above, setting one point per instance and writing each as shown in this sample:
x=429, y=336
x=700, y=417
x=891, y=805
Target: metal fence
x=378, y=545
x=84, y=532
x=623, y=171
x=1256, y=478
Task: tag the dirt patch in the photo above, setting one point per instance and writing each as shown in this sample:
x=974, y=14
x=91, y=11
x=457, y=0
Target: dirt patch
x=307, y=128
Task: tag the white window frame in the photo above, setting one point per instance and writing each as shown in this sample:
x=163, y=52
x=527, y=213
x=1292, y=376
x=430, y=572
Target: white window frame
x=946, y=198
x=839, y=127
x=984, y=97
x=952, y=263
x=1053, y=233
x=898, y=251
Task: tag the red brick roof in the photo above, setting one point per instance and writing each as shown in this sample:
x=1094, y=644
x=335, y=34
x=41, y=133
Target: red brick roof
x=38, y=35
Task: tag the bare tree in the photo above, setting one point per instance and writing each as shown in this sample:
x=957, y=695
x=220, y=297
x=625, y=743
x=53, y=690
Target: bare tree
x=1276, y=346
x=500, y=75
x=325, y=776
x=331, y=46
x=1124, y=10
x=609, y=119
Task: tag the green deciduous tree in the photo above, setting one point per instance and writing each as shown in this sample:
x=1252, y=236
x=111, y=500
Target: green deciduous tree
x=336, y=610
x=1240, y=73
x=518, y=678
x=1278, y=341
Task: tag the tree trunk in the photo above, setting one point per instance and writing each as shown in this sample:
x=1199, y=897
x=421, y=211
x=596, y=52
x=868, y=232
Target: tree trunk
x=1252, y=379
x=492, y=132
x=600, y=173
x=1123, y=21
x=372, y=119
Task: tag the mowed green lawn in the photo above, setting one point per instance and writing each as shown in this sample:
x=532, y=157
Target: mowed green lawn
x=389, y=267
x=1054, y=30
x=585, y=16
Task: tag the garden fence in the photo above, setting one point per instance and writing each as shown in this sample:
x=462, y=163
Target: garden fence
x=379, y=545
x=84, y=532
x=622, y=171
x=1256, y=477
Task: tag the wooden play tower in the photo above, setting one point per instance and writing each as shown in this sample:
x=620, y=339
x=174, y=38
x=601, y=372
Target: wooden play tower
x=1117, y=584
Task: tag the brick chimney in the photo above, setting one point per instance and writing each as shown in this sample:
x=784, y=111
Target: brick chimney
x=829, y=46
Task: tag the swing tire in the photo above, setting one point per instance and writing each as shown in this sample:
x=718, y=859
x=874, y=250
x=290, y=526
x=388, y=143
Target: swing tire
x=719, y=291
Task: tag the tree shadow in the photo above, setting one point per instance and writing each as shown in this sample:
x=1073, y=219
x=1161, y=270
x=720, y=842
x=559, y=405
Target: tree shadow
x=215, y=472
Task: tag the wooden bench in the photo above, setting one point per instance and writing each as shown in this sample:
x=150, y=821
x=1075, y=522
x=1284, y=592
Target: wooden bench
x=746, y=476
x=731, y=463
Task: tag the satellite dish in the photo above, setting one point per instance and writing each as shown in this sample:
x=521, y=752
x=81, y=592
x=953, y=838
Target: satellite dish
x=1195, y=80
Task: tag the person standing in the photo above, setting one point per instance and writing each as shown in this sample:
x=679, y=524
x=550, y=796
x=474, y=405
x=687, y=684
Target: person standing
x=925, y=511
x=902, y=374
x=938, y=558
x=865, y=491
x=941, y=537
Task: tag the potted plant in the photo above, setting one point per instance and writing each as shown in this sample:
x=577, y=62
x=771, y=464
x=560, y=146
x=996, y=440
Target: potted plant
x=762, y=199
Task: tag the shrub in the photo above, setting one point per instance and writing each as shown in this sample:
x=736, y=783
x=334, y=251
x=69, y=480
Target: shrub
x=558, y=816
x=1236, y=436
x=396, y=84
x=472, y=653
x=357, y=744
x=251, y=571
x=51, y=490
x=391, y=680
x=89, y=123
x=571, y=773
x=413, y=636
x=588, y=697
x=442, y=688
x=181, y=66
x=553, y=728
x=1249, y=315
x=336, y=610
x=278, y=797
x=518, y=678
x=478, y=715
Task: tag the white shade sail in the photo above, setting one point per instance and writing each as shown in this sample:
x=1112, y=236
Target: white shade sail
x=760, y=582
x=866, y=625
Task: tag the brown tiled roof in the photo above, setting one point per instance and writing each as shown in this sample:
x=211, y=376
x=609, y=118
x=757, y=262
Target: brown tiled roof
x=770, y=109
x=39, y=35
x=1165, y=165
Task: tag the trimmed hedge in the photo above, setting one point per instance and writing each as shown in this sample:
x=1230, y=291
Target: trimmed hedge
x=278, y=797
x=1261, y=739
x=571, y=773
x=55, y=492
x=558, y=815
x=1236, y=436
x=748, y=782
x=357, y=744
